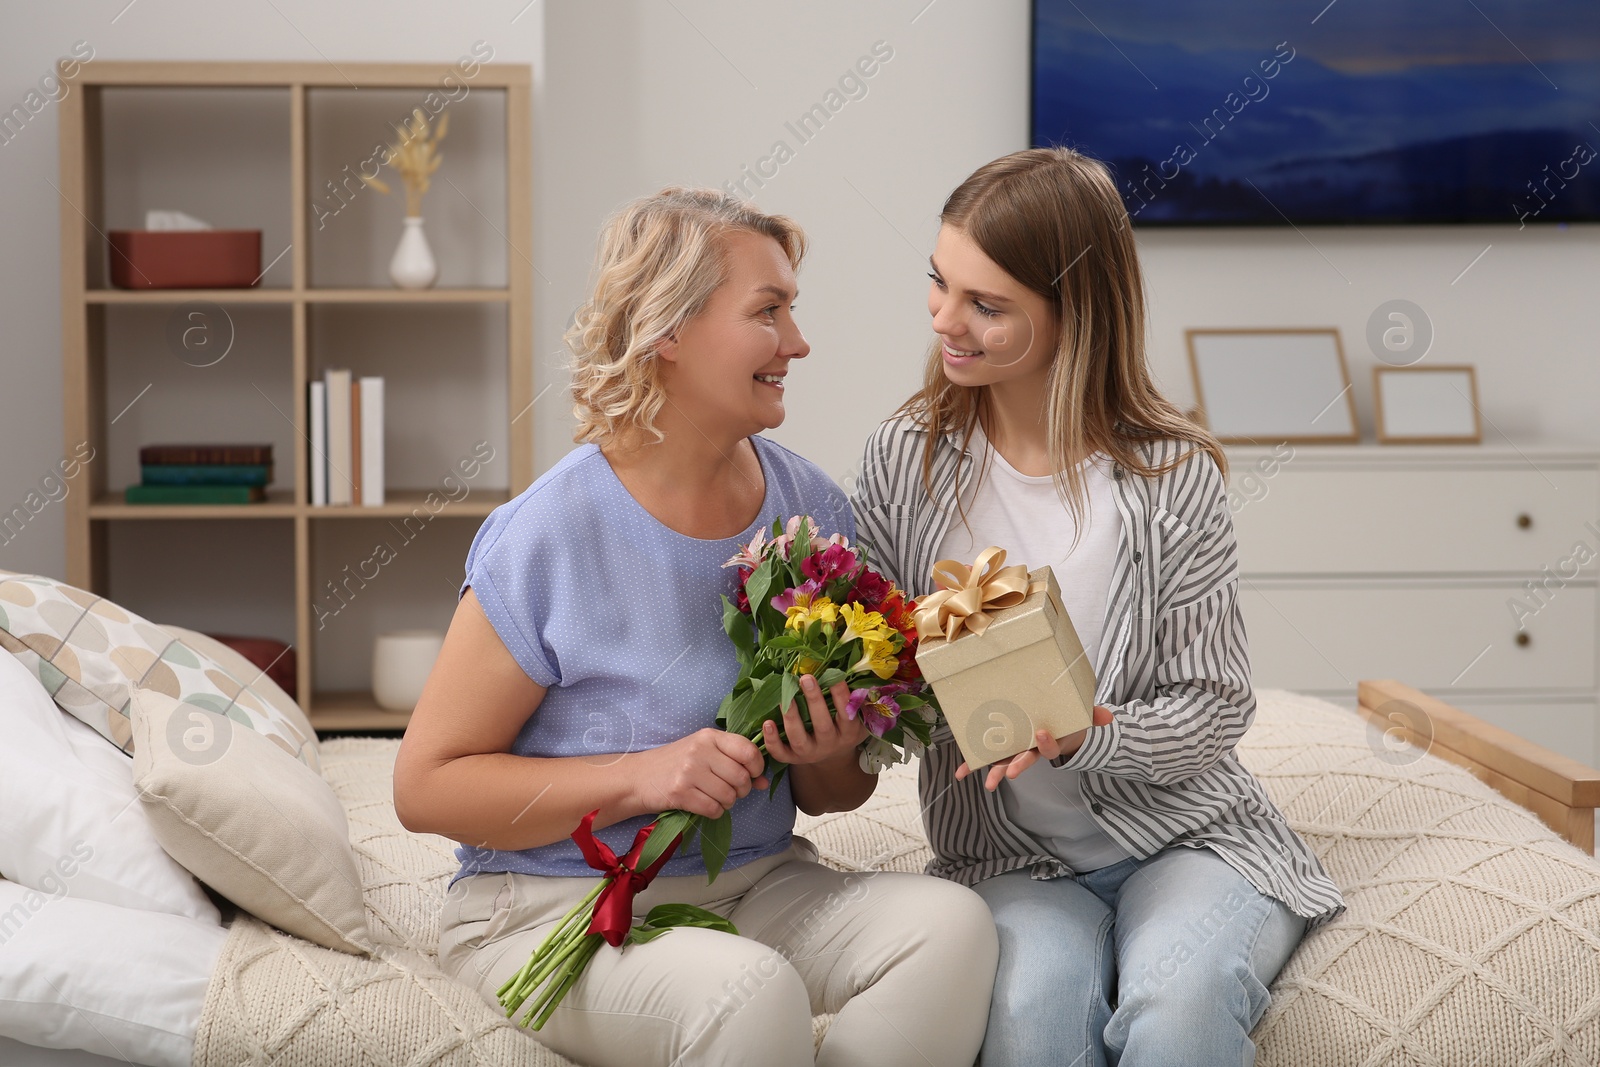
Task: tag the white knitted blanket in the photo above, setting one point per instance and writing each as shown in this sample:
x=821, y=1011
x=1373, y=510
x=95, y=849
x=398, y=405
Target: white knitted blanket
x=1472, y=936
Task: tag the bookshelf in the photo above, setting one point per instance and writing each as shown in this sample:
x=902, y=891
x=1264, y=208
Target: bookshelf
x=248, y=145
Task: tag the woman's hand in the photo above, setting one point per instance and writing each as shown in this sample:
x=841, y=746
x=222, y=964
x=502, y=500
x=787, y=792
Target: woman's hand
x=830, y=736
x=704, y=773
x=1045, y=747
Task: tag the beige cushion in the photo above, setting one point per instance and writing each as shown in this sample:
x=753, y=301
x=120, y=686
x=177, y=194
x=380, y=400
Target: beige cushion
x=248, y=820
x=91, y=655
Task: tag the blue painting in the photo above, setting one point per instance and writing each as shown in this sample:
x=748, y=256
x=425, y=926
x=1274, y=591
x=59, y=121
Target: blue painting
x=1266, y=112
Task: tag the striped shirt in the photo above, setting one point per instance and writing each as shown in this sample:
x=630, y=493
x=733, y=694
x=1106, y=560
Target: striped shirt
x=1173, y=669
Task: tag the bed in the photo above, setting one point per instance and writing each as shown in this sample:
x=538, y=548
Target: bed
x=1472, y=934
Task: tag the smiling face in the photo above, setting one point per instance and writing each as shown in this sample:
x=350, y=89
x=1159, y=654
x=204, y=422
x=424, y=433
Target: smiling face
x=993, y=328
x=725, y=367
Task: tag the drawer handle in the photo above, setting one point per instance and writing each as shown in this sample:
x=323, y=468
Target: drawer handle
x=1524, y=639
x=1524, y=521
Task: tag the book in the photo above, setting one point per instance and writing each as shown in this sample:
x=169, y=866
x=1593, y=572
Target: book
x=355, y=440
x=194, y=494
x=339, y=452
x=372, y=473
x=194, y=455
x=205, y=474
x=319, y=443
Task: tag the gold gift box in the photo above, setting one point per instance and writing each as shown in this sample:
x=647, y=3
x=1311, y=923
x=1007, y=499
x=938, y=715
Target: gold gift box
x=1027, y=671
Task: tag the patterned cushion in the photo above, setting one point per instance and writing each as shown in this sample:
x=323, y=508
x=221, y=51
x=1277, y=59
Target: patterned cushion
x=91, y=654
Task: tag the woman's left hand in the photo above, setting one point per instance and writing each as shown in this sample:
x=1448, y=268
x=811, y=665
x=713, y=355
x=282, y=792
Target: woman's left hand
x=830, y=736
x=1045, y=747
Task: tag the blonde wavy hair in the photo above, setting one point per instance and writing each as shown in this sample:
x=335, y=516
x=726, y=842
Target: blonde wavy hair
x=660, y=259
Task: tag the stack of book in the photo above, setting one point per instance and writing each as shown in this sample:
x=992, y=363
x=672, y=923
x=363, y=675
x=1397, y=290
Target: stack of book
x=202, y=474
x=346, y=440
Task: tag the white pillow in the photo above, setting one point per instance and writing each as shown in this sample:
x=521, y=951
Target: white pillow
x=81, y=974
x=72, y=821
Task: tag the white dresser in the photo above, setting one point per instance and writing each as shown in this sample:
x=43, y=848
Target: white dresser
x=1467, y=571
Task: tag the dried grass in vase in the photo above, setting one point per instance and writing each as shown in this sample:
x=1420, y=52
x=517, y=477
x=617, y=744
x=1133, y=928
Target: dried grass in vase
x=416, y=157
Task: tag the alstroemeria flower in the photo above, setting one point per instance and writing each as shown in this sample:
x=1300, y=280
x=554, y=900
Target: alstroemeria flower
x=877, y=656
x=741, y=599
x=802, y=594
x=805, y=604
x=749, y=556
x=877, y=755
x=871, y=588
x=834, y=561
x=864, y=624
x=877, y=704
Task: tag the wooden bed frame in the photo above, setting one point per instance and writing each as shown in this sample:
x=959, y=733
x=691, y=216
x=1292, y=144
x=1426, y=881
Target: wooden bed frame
x=1560, y=790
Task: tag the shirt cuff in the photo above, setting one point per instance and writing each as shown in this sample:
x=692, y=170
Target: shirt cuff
x=1099, y=745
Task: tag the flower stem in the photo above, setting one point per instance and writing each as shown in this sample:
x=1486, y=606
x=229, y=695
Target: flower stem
x=570, y=930
x=557, y=993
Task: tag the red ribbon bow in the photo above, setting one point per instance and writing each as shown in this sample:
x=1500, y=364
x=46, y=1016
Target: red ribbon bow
x=613, y=910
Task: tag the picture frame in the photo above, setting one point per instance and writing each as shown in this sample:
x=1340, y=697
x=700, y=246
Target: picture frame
x=1270, y=385
x=1434, y=405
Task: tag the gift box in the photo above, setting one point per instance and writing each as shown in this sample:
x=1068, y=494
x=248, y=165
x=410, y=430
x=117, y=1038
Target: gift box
x=1013, y=667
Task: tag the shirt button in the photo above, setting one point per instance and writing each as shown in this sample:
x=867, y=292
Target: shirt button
x=1137, y=555
x=1116, y=472
x=1095, y=807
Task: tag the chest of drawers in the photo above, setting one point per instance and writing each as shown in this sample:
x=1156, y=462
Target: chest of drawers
x=1470, y=572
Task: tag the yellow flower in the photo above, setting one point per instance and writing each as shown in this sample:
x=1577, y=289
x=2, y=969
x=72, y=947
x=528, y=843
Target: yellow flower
x=807, y=610
x=864, y=624
x=878, y=657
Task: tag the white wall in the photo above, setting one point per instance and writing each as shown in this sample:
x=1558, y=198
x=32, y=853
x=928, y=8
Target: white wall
x=635, y=94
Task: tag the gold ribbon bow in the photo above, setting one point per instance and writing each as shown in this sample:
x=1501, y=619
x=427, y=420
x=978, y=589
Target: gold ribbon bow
x=965, y=592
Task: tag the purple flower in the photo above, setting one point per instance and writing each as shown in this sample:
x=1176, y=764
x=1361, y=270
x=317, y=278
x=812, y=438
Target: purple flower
x=877, y=706
x=802, y=594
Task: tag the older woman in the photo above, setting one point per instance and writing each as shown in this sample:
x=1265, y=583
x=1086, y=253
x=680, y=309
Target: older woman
x=584, y=667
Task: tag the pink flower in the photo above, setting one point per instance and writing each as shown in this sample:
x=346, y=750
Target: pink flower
x=802, y=594
x=877, y=706
x=818, y=543
x=749, y=556
x=834, y=561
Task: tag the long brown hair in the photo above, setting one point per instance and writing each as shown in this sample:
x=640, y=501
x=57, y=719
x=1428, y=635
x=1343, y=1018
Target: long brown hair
x=1053, y=220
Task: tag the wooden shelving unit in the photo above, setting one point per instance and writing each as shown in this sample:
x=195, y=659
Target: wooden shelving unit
x=93, y=506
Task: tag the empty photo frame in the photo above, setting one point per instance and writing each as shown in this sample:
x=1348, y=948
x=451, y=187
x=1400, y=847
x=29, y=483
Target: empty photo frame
x=1256, y=386
x=1426, y=405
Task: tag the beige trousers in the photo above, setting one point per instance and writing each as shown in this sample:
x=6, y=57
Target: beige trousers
x=905, y=960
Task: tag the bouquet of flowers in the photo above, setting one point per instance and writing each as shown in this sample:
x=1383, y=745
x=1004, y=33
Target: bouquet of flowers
x=805, y=605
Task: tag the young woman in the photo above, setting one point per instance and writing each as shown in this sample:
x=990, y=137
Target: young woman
x=1145, y=888
x=584, y=668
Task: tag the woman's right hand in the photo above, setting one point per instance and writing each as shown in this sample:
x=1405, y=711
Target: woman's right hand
x=704, y=773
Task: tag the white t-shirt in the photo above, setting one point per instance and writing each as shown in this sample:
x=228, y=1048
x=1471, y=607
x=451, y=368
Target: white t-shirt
x=1024, y=515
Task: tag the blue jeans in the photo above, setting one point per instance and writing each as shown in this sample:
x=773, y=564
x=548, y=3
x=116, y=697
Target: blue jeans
x=1164, y=961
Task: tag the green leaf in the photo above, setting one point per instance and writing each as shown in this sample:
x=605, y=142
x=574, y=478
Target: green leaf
x=830, y=677
x=740, y=630
x=749, y=712
x=716, y=840
x=668, y=826
x=758, y=589
x=764, y=701
x=788, y=690
x=665, y=917
x=774, y=778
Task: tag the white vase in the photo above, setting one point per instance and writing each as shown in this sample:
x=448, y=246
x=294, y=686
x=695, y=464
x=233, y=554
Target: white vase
x=401, y=663
x=413, y=266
